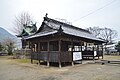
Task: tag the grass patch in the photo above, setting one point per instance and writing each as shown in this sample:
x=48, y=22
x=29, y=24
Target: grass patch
x=17, y=60
x=23, y=60
x=111, y=57
x=6, y=57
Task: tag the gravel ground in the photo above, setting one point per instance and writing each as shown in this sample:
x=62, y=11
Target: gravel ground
x=13, y=70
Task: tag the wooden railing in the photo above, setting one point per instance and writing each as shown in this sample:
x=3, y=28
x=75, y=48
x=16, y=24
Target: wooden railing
x=52, y=56
x=63, y=56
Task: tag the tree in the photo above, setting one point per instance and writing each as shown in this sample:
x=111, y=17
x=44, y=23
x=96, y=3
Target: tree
x=21, y=21
x=95, y=30
x=1, y=47
x=106, y=34
x=117, y=47
x=9, y=45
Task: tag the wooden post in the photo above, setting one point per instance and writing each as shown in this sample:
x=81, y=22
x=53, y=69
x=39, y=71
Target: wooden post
x=48, y=64
x=86, y=46
x=81, y=51
x=98, y=51
x=35, y=47
x=32, y=55
x=72, y=63
x=39, y=58
x=39, y=52
x=59, y=55
x=72, y=52
x=86, y=49
x=102, y=52
x=31, y=58
x=93, y=54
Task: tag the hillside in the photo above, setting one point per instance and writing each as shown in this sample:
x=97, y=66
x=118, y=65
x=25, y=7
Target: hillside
x=4, y=34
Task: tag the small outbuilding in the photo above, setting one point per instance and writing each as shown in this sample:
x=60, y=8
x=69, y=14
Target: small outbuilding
x=60, y=42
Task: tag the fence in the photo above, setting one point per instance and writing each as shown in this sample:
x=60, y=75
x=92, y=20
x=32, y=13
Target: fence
x=22, y=53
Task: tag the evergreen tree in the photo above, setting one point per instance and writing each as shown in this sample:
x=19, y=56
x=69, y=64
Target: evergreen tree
x=117, y=47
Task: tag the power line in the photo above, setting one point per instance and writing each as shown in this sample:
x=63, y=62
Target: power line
x=94, y=11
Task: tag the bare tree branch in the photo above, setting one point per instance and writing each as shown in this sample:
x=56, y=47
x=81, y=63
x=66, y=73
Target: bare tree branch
x=22, y=19
x=95, y=31
x=106, y=34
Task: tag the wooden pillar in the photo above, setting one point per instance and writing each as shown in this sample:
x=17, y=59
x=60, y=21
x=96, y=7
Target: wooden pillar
x=93, y=53
x=98, y=51
x=59, y=55
x=81, y=51
x=86, y=49
x=102, y=52
x=39, y=52
x=35, y=47
x=28, y=42
x=86, y=46
x=72, y=52
x=81, y=46
x=48, y=63
x=31, y=58
x=31, y=54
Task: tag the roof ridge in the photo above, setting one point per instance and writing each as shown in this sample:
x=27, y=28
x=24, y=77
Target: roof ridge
x=68, y=25
x=50, y=26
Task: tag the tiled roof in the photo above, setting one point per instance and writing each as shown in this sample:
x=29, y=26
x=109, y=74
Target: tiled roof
x=67, y=29
x=41, y=34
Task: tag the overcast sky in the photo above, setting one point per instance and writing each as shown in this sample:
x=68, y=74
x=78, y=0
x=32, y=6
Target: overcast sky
x=105, y=13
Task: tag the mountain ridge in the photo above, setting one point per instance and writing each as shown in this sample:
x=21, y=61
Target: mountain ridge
x=4, y=34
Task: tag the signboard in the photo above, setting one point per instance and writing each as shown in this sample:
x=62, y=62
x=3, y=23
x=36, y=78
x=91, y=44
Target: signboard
x=95, y=53
x=77, y=56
